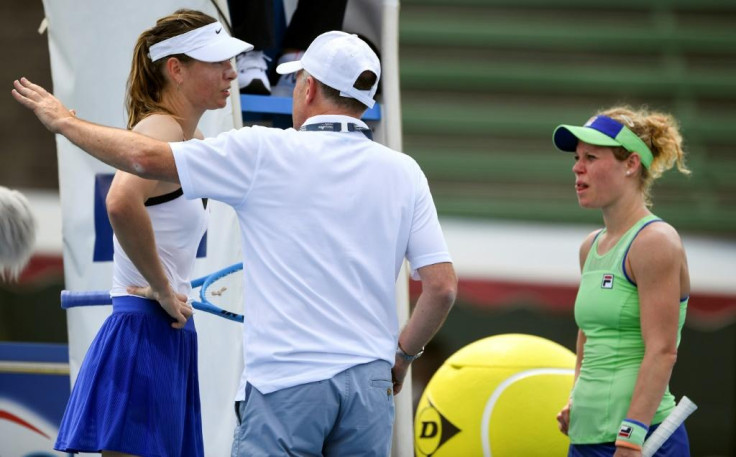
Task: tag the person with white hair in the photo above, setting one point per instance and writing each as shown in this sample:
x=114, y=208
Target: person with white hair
x=17, y=232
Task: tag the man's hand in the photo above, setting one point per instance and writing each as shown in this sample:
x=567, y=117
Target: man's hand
x=398, y=373
x=173, y=303
x=49, y=110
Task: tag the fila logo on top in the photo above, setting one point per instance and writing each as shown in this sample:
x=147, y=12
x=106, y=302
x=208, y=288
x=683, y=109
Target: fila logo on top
x=607, y=282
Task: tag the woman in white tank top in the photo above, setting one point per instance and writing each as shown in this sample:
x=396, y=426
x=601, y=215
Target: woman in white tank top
x=137, y=392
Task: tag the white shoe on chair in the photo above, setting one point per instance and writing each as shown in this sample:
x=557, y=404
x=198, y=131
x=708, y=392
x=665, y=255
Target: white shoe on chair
x=252, y=77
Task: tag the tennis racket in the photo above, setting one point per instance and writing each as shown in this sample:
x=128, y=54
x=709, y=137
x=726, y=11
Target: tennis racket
x=668, y=426
x=218, y=292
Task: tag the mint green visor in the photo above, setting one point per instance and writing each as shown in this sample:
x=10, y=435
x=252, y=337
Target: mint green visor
x=602, y=131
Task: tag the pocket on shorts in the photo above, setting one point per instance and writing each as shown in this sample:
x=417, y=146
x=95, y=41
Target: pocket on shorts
x=384, y=384
x=383, y=393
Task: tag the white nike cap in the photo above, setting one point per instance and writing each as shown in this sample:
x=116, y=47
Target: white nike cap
x=210, y=43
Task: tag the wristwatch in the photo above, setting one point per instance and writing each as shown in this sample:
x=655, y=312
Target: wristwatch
x=409, y=358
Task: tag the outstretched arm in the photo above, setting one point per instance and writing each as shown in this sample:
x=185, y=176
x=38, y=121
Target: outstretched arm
x=122, y=149
x=439, y=287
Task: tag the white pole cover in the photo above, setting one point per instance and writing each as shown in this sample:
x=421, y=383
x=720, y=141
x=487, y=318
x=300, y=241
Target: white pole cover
x=379, y=23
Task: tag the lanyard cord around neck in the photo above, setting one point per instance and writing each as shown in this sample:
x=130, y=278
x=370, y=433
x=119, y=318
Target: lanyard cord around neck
x=336, y=127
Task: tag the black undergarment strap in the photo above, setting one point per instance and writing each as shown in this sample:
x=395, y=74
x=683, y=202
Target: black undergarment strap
x=336, y=127
x=168, y=197
x=164, y=198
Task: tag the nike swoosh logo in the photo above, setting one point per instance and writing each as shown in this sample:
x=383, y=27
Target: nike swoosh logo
x=218, y=30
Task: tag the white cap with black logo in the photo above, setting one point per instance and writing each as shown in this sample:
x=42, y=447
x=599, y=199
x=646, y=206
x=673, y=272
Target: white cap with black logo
x=210, y=43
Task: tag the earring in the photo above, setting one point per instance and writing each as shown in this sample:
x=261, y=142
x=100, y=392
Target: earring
x=628, y=173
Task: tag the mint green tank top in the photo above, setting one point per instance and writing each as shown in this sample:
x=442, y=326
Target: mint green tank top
x=607, y=311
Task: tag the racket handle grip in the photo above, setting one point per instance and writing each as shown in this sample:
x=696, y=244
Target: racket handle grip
x=668, y=426
x=70, y=299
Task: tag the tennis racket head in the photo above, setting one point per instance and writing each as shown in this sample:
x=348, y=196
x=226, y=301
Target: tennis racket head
x=221, y=293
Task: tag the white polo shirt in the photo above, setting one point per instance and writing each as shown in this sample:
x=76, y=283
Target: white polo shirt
x=326, y=221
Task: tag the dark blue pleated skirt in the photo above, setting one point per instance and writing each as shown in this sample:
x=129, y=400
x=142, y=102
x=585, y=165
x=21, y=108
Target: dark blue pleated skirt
x=137, y=391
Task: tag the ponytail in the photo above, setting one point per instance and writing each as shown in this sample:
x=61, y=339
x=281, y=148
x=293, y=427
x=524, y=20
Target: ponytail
x=147, y=80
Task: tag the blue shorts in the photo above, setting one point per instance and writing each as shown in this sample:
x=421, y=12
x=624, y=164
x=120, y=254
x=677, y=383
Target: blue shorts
x=137, y=391
x=350, y=414
x=676, y=445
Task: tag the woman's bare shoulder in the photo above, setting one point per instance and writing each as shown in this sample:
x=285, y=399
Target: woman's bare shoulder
x=160, y=126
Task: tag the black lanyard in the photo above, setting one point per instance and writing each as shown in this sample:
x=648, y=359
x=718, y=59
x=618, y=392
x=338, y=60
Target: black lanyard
x=336, y=127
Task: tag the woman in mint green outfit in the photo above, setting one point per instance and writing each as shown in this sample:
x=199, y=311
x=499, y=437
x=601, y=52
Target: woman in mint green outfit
x=634, y=288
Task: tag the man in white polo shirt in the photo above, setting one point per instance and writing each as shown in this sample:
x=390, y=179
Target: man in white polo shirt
x=327, y=217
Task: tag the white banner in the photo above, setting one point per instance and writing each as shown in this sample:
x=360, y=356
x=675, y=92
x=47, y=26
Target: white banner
x=91, y=46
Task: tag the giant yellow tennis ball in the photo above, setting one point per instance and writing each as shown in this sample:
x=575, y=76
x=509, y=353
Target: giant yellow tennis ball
x=498, y=397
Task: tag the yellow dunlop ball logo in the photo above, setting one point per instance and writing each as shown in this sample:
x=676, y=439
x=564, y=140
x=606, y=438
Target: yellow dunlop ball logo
x=432, y=430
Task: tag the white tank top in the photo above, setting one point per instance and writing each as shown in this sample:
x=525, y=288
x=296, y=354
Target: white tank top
x=178, y=227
